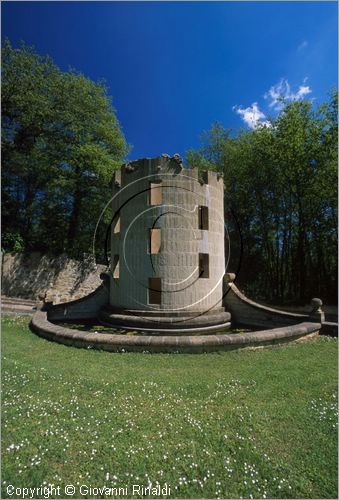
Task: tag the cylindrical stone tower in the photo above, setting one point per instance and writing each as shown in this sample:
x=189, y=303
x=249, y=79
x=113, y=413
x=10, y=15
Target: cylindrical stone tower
x=167, y=248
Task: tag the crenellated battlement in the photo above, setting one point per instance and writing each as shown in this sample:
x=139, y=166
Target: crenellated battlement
x=163, y=165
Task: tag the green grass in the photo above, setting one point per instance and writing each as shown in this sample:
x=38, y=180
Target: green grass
x=259, y=424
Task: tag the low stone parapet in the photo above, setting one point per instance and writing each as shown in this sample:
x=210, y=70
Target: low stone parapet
x=247, y=312
x=166, y=343
x=84, y=308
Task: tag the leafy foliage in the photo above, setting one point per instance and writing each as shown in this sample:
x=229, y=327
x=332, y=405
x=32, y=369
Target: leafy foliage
x=281, y=184
x=61, y=141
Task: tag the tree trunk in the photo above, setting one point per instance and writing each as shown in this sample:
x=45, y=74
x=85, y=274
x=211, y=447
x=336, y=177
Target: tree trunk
x=76, y=207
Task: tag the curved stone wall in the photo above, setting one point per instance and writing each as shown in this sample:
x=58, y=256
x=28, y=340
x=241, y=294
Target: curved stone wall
x=249, y=313
x=180, y=344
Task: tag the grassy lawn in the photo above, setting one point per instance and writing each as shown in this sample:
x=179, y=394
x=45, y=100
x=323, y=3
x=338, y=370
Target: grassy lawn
x=254, y=424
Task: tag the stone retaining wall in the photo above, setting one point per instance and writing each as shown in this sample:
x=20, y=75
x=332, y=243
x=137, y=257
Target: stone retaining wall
x=56, y=279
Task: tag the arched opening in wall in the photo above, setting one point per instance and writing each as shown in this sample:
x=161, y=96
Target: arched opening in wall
x=154, y=241
x=155, y=193
x=203, y=218
x=204, y=270
x=154, y=291
x=116, y=267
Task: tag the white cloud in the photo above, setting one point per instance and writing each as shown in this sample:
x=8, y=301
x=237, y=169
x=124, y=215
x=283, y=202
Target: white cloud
x=302, y=45
x=252, y=116
x=281, y=92
x=277, y=96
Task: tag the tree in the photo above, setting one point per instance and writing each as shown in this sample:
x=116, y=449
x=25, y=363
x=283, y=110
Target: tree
x=61, y=141
x=281, y=182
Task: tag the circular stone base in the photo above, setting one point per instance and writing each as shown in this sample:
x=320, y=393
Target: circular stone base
x=171, y=343
x=153, y=322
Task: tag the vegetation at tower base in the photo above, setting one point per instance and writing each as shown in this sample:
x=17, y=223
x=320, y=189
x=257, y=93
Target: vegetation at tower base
x=281, y=186
x=60, y=142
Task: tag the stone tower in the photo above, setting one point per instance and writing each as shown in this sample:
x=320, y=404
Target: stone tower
x=167, y=248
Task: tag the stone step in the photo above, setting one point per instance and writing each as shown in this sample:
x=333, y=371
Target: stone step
x=17, y=305
x=17, y=300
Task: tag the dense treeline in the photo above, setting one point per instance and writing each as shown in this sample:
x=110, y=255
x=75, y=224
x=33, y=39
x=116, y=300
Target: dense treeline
x=281, y=183
x=60, y=142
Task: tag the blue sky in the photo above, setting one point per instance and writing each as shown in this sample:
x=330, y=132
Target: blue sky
x=174, y=68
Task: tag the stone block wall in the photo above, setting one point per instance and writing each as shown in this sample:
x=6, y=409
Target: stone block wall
x=56, y=279
x=186, y=271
